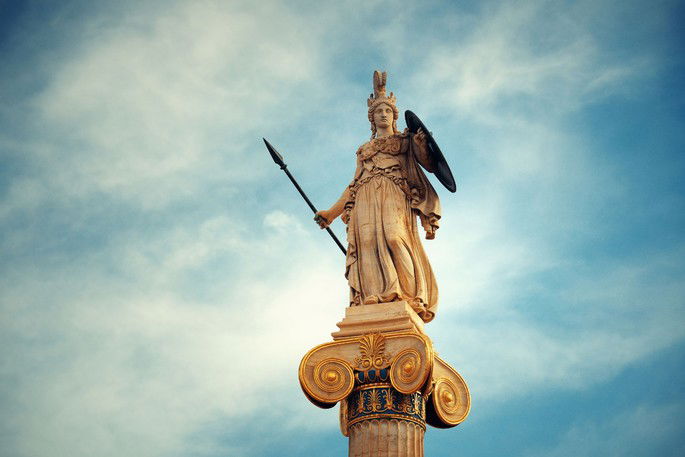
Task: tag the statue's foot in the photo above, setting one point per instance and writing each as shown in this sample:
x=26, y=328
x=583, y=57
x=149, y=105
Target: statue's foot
x=417, y=305
x=371, y=300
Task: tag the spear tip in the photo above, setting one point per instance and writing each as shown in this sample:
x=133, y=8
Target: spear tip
x=274, y=154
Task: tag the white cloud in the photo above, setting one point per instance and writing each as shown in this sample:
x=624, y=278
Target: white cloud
x=518, y=60
x=279, y=220
x=125, y=357
x=146, y=112
x=516, y=316
x=128, y=364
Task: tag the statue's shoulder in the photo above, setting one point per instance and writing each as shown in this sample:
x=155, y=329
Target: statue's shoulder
x=364, y=146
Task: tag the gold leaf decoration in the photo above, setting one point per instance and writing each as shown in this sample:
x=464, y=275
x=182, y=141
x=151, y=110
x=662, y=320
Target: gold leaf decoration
x=372, y=348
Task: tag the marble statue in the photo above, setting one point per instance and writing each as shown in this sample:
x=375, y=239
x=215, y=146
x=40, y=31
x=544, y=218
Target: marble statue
x=386, y=261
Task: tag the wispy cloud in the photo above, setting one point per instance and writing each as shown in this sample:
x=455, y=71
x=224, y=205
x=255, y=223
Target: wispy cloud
x=522, y=61
x=129, y=358
x=634, y=432
x=145, y=110
x=531, y=311
x=155, y=284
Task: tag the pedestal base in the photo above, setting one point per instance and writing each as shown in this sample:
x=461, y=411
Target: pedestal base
x=382, y=317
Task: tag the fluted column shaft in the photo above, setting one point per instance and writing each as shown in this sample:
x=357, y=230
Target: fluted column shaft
x=386, y=438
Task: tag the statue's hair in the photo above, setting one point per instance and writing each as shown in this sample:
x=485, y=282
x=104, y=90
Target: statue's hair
x=379, y=97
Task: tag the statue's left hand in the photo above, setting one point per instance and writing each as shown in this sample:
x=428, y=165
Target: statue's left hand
x=420, y=139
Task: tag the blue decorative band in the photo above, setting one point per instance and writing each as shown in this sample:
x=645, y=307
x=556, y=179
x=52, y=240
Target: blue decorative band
x=381, y=401
x=365, y=377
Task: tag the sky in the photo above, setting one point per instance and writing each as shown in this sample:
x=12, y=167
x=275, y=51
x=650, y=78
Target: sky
x=160, y=278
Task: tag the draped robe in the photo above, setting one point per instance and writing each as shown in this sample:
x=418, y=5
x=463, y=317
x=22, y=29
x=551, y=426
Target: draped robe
x=385, y=259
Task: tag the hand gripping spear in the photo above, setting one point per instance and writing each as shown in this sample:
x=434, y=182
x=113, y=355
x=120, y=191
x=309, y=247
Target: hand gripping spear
x=279, y=161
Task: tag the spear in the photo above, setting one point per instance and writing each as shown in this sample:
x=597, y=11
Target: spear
x=279, y=161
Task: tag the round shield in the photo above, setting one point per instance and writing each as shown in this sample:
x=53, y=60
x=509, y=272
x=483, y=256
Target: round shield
x=442, y=170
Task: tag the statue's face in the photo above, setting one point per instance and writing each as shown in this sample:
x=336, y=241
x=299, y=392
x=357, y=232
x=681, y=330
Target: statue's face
x=382, y=116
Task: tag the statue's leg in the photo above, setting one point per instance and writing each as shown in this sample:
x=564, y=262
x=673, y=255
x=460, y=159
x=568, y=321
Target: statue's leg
x=397, y=234
x=365, y=221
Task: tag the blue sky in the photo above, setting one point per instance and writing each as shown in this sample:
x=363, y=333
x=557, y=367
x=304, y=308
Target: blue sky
x=160, y=279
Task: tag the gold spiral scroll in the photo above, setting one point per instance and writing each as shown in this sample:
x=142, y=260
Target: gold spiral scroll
x=409, y=371
x=333, y=380
x=451, y=402
x=326, y=375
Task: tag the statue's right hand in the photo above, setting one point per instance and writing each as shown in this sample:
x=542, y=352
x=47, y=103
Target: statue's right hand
x=322, y=218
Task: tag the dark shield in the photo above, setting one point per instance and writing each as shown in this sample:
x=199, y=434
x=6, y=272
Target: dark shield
x=442, y=170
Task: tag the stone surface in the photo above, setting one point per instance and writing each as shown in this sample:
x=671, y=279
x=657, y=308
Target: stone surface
x=386, y=438
x=382, y=317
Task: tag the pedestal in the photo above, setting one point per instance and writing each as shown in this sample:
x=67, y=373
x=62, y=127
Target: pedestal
x=383, y=370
